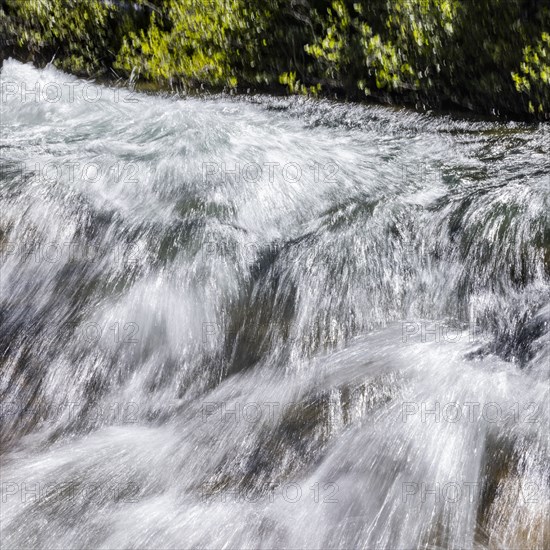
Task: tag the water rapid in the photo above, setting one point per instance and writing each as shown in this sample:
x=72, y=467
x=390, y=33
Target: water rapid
x=269, y=323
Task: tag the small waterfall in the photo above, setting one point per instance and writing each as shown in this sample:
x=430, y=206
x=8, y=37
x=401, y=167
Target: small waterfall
x=269, y=323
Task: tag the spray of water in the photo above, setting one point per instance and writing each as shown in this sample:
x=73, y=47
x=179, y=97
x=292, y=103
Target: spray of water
x=269, y=323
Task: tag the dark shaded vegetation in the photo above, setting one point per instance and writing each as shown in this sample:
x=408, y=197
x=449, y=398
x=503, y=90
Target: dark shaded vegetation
x=491, y=56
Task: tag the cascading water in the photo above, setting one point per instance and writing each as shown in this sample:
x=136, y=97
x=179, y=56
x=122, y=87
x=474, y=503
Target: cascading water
x=269, y=323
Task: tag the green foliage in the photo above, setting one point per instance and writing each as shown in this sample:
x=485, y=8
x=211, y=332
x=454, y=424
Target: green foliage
x=79, y=34
x=533, y=79
x=402, y=54
x=296, y=87
x=219, y=43
x=491, y=56
x=477, y=55
x=188, y=40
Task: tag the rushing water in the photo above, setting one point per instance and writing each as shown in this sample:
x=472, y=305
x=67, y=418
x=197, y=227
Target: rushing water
x=269, y=323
